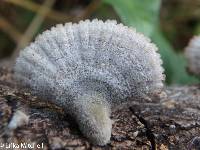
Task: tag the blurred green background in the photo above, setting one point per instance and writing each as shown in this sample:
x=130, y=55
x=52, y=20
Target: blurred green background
x=169, y=23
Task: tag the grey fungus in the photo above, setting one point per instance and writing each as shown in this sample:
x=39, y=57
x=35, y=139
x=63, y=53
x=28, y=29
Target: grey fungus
x=192, y=53
x=90, y=69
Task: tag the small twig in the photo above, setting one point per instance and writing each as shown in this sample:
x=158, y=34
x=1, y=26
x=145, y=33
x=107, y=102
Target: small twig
x=88, y=10
x=55, y=15
x=27, y=4
x=33, y=27
x=9, y=29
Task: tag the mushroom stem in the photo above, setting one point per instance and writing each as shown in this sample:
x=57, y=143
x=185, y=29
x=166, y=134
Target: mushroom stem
x=93, y=116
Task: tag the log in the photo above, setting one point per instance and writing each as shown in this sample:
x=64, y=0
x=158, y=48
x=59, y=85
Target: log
x=169, y=120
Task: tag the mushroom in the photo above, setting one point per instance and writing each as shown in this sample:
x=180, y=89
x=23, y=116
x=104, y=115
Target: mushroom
x=90, y=69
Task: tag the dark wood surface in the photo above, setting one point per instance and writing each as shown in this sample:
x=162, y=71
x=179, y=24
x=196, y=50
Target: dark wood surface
x=167, y=121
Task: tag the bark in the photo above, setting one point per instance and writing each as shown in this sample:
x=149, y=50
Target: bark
x=167, y=121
